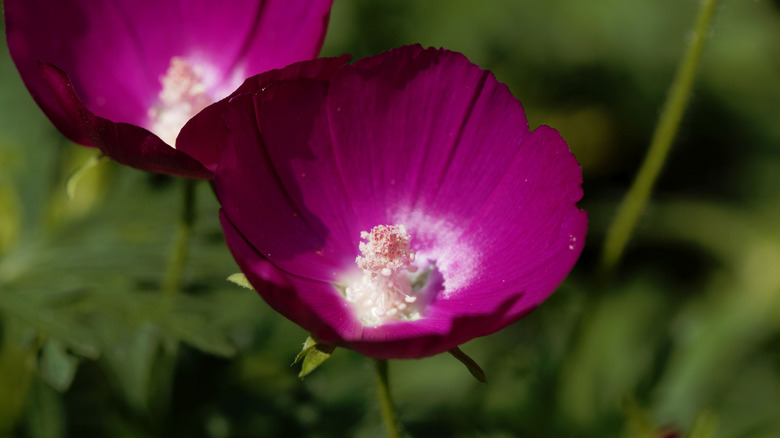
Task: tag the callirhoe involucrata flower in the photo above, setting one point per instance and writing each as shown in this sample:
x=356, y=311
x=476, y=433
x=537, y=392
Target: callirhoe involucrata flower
x=124, y=76
x=398, y=206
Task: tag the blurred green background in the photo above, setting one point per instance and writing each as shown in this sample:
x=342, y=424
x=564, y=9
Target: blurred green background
x=683, y=341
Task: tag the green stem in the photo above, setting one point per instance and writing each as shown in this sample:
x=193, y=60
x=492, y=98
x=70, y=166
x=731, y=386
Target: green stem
x=635, y=201
x=389, y=417
x=178, y=257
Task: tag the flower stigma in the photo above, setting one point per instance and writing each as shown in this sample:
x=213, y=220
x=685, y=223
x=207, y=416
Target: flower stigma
x=183, y=94
x=385, y=290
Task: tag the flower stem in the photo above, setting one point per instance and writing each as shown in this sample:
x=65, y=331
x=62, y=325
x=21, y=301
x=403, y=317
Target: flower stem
x=178, y=256
x=389, y=417
x=635, y=200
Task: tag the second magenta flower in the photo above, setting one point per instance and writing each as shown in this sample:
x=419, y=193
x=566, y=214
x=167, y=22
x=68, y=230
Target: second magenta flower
x=124, y=76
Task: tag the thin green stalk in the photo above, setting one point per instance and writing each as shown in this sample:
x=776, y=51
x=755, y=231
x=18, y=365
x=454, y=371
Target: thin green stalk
x=389, y=417
x=634, y=203
x=178, y=257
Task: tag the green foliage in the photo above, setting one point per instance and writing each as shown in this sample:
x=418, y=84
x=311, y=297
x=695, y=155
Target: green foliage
x=240, y=279
x=57, y=367
x=312, y=356
x=683, y=340
x=73, y=180
x=16, y=373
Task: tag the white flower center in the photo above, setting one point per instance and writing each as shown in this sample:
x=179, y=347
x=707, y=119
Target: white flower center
x=183, y=95
x=384, y=291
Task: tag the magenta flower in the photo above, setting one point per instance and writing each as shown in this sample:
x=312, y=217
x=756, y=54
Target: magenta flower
x=398, y=206
x=124, y=76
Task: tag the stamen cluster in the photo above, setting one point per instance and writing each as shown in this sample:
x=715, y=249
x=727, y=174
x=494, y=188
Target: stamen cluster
x=386, y=250
x=183, y=95
x=384, y=291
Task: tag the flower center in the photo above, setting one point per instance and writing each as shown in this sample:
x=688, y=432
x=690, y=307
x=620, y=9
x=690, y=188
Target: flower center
x=385, y=290
x=183, y=95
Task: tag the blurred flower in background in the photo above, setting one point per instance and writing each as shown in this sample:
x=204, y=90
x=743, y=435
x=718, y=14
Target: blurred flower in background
x=469, y=220
x=125, y=76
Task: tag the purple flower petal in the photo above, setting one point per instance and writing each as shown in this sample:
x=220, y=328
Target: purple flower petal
x=431, y=335
x=520, y=220
x=302, y=244
x=412, y=137
x=115, y=54
x=125, y=143
x=287, y=31
x=425, y=138
x=315, y=310
x=93, y=43
x=205, y=135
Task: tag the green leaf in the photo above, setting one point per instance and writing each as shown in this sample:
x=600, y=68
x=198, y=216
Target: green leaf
x=313, y=355
x=45, y=412
x=142, y=368
x=195, y=330
x=75, y=177
x=17, y=370
x=472, y=365
x=307, y=347
x=705, y=425
x=184, y=318
x=240, y=279
x=32, y=308
x=57, y=367
x=10, y=217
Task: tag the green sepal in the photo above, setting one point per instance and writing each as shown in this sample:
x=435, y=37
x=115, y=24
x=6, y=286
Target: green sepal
x=472, y=365
x=75, y=176
x=313, y=355
x=240, y=279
